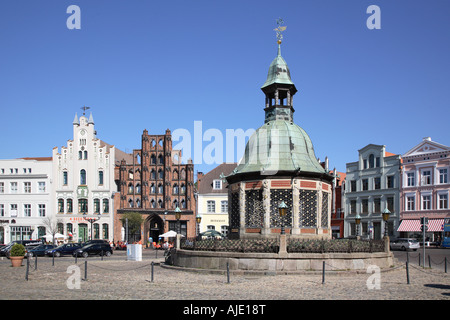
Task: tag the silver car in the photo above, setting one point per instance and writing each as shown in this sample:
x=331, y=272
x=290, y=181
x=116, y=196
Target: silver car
x=405, y=244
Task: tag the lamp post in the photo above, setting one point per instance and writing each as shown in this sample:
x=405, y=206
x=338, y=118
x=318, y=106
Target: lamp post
x=386, y=214
x=91, y=221
x=198, y=219
x=178, y=216
x=357, y=222
x=282, y=211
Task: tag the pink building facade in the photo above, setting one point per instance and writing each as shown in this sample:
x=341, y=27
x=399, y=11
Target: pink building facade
x=425, y=189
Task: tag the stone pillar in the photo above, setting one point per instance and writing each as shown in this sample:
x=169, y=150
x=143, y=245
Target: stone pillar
x=295, y=207
x=241, y=209
x=266, y=207
x=283, y=245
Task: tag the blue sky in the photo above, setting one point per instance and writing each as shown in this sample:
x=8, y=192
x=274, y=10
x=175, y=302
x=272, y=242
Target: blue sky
x=145, y=64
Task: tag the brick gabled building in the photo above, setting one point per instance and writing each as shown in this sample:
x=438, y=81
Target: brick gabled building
x=154, y=182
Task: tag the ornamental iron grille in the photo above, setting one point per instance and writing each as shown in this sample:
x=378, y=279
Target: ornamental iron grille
x=308, y=208
x=234, y=217
x=254, y=212
x=324, y=222
x=276, y=197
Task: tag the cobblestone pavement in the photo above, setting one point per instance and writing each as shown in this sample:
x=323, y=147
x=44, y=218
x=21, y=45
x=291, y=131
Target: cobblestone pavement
x=124, y=280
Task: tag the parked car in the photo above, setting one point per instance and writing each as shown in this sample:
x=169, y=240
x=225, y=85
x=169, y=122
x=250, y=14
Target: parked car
x=28, y=244
x=39, y=250
x=94, y=249
x=404, y=244
x=64, y=249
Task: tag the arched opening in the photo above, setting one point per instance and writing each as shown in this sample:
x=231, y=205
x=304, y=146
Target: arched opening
x=154, y=226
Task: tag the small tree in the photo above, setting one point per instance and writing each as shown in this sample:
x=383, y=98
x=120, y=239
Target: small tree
x=51, y=225
x=135, y=221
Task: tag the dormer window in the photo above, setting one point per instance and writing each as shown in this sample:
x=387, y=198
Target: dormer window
x=217, y=184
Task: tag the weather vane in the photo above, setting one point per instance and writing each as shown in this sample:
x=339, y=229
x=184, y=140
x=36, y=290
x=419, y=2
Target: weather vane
x=84, y=108
x=280, y=30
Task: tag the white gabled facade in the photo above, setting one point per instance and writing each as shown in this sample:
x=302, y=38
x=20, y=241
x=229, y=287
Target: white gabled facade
x=25, y=198
x=83, y=175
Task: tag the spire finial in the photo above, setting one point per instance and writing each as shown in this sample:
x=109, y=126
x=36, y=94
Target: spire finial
x=279, y=30
x=84, y=108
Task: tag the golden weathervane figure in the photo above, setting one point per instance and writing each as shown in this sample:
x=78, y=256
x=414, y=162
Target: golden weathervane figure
x=280, y=30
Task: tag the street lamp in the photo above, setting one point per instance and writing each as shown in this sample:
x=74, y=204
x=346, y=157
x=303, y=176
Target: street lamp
x=386, y=214
x=282, y=211
x=178, y=216
x=198, y=219
x=357, y=221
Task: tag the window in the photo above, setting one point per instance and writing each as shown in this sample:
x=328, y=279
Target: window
x=183, y=188
x=153, y=174
x=2, y=210
x=365, y=206
x=69, y=205
x=175, y=189
x=217, y=184
x=426, y=177
x=97, y=206
x=371, y=161
x=41, y=187
x=410, y=179
x=160, y=188
x=105, y=231
x=100, y=177
x=130, y=188
x=352, y=206
x=83, y=206
x=13, y=187
x=65, y=178
x=85, y=155
x=82, y=177
x=377, y=162
x=390, y=204
x=426, y=202
x=96, y=231
x=160, y=174
x=138, y=188
x=443, y=176
x=390, y=182
x=211, y=227
x=211, y=206
x=365, y=184
x=353, y=186
x=152, y=188
x=224, y=206
x=443, y=201
x=13, y=210
x=410, y=203
x=2, y=187
x=160, y=159
x=183, y=204
x=60, y=205
x=105, y=206
x=377, y=205
x=27, y=210
x=41, y=209
x=27, y=187
x=377, y=183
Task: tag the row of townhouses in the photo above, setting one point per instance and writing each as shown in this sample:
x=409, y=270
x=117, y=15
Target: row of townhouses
x=86, y=188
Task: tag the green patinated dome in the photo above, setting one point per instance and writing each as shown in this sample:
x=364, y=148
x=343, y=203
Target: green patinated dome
x=279, y=146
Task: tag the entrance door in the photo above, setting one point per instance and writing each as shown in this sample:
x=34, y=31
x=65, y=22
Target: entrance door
x=156, y=227
x=377, y=230
x=82, y=232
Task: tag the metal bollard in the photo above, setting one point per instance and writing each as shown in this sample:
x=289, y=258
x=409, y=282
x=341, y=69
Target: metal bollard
x=419, y=259
x=323, y=272
x=152, y=270
x=28, y=268
x=85, y=270
x=407, y=272
x=53, y=258
x=228, y=272
x=35, y=263
x=429, y=261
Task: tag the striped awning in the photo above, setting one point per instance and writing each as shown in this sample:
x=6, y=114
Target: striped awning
x=434, y=225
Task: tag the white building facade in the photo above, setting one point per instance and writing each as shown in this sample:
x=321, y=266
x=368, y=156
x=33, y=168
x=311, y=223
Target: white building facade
x=371, y=185
x=25, y=198
x=83, y=174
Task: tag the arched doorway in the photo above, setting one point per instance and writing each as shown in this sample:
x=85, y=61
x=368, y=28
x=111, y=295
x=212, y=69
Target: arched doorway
x=154, y=226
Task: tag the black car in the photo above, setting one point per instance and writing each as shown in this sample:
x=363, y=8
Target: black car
x=94, y=249
x=64, y=249
x=39, y=250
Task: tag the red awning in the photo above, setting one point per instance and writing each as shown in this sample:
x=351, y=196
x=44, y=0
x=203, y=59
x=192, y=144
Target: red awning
x=434, y=225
